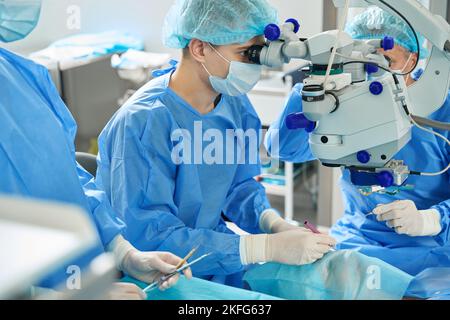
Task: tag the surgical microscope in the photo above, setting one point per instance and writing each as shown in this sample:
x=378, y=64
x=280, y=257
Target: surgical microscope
x=359, y=113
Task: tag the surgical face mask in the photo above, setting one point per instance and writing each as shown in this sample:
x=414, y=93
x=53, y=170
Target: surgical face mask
x=18, y=18
x=241, y=78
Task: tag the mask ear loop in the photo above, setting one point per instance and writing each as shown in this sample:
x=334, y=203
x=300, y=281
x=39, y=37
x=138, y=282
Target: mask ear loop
x=206, y=69
x=407, y=62
x=219, y=54
x=203, y=65
x=407, y=78
x=406, y=65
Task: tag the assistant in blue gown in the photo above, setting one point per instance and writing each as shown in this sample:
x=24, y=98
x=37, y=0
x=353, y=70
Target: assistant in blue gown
x=175, y=207
x=426, y=153
x=37, y=153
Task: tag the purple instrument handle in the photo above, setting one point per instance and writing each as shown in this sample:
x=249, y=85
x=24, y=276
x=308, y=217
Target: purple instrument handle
x=311, y=227
x=314, y=229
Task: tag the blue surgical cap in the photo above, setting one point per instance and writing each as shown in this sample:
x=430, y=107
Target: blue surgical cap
x=376, y=23
x=219, y=22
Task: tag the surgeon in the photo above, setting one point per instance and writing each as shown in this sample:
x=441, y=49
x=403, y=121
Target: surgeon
x=409, y=230
x=174, y=191
x=37, y=155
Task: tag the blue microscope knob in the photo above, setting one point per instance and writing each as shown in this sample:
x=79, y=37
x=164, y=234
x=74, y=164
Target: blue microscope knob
x=371, y=68
x=418, y=74
x=385, y=179
x=311, y=126
x=387, y=43
x=272, y=32
x=376, y=88
x=363, y=156
x=296, y=121
x=295, y=23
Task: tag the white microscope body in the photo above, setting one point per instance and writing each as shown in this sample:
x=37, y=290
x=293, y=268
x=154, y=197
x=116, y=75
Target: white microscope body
x=361, y=122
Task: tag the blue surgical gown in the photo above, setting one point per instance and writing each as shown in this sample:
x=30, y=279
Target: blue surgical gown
x=37, y=153
x=173, y=206
x=425, y=153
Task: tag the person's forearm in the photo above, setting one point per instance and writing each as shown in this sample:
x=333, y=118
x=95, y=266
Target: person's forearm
x=120, y=248
x=225, y=258
x=105, y=218
x=289, y=145
x=253, y=249
x=269, y=219
x=272, y=222
x=443, y=208
x=245, y=204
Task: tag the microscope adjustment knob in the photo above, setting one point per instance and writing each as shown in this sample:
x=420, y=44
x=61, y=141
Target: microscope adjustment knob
x=371, y=68
x=363, y=156
x=296, y=121
x=376, y=88
x=272, y=32
x=387, y=43
x=295, y=23
x=385, y=179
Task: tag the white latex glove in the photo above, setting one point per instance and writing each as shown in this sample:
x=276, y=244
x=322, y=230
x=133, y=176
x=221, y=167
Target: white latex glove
x=125, y=291
x=151, y=266
x=294, y=247
x=271, y=222
x=404, y=217
x=146, y=266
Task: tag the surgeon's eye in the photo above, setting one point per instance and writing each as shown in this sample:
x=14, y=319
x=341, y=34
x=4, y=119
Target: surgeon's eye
x=244, y=54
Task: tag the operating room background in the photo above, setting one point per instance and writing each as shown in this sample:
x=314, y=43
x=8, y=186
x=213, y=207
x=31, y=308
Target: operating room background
x=144, y=18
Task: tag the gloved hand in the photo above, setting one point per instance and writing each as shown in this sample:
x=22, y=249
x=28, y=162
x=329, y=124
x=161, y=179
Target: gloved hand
x=294, y=247
x=145, y=266
x=298, y=247
x=151, y=266
x=404, y=217
x=125, y=291
x=271, y=222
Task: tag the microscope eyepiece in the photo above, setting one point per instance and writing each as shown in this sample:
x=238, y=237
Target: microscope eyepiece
x=254, y=54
